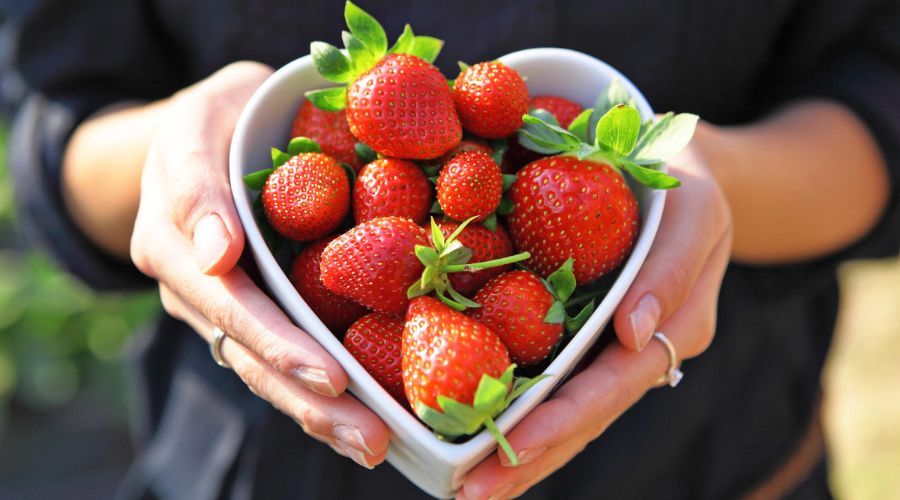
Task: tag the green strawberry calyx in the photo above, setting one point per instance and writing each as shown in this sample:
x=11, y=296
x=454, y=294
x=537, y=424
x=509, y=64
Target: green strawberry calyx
x=366, y=44
x=612, y=131
x=448, y=255
x=493, y=395
x=561, y=284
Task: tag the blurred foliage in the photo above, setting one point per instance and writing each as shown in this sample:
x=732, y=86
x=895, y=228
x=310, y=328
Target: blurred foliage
x=57, y=336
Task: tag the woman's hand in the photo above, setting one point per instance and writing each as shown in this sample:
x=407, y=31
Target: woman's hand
x=675, y=292
x=187, y=235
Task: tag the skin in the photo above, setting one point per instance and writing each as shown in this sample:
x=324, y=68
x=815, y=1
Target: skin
x=802, y=183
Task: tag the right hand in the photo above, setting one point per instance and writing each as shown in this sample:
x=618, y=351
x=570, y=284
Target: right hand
x=187, y=235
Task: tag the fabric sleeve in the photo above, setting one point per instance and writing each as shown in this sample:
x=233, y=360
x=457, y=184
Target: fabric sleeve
x=75, y=58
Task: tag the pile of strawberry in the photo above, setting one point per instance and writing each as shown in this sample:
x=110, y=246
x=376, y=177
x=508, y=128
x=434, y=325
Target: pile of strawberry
x=435, y=311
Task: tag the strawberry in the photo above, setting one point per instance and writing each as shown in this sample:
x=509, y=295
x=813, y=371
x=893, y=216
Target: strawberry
x=465, y=146
x=485, y=245
x=470, y=185
x=306, y=197
x=577, y=204
x=335, y=311
x=397, y=102
x=456, y=372
x=391, y=186
x=490, y=99
x=375, y=263
x=515, y=306
x=561, y=108
x=330, y=130
x=565, y=207
x=374, y=340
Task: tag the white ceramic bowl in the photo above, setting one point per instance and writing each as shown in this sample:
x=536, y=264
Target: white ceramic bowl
x=435, y=466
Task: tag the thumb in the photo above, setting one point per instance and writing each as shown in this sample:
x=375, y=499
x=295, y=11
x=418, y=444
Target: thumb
x=217, y=247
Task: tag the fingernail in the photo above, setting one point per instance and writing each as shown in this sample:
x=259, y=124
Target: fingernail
x=353, y=454
x=524, y=456
x=315, y=379
x=210, y=241
x=351, y=436
x=644, y=319
x=500, y=492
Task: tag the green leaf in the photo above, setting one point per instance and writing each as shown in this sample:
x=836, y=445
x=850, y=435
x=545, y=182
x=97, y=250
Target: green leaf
x=428, y=275
x=490, y=395
x=417, y=290
x=534, y=143
x=613, y=95
x=437, y=236
x=562, y=281
x=366, y=29
x=330, y=99
x=463, y=66
x=361, y=58
x=544, y=115
x=427, y=48
x=573, y=324
x=440, y=423
x=257, y=180
x=665, y=138
x=427, y=255
x=364, y=153
x=508, y=181
x=452, y=304
x=579, y=126
x=498, y=150
x=459, y=229
x=546, y=138
x=303, y=145
x=490, y=222
x=279, y=157
x=523, y=384
x=465, y=301
x=350, y=173
x=506, y=206
x=459, y=255
x=330, y=62
x=405, y=42
x=470, y=419
x=649, y=177
x=436, y=208
x=617, y=131
x=556, y=314
x=563, y=136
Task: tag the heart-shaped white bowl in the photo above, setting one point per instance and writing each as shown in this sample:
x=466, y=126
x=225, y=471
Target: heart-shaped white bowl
x=435, y=466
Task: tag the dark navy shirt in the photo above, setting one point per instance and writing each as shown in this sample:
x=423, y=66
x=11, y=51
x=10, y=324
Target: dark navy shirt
x=744, y=404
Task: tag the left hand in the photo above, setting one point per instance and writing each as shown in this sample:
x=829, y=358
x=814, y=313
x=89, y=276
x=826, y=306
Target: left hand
x=675, y=292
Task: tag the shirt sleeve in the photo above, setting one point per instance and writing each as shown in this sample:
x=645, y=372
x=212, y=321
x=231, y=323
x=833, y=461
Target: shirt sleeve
x=75, y=58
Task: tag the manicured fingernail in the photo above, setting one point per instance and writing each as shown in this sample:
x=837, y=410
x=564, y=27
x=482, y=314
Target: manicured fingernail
x=352, y=437
x=315, y=379
x=644, y=319
x=500, y=492
x=353, y=454
x=210, y=241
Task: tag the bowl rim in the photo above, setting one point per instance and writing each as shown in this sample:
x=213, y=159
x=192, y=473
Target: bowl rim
x=359, y=379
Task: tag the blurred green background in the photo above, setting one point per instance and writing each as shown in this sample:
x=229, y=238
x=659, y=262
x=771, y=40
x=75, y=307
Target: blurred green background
x=64, y=397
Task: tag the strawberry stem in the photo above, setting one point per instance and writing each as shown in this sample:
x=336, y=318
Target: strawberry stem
x=501, y=440
x=512, y=259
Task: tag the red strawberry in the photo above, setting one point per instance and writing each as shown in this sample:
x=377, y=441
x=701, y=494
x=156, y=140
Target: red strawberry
x=445, y=353
x=374, y=340
x=561, y=108
x=465, y=146
x=307, y=197
x=470, y=185
x=485, y=245
x=565, y=207
x=403, y=108
x=375, y=263
x=335, y=311
x=391, y=187
x=514, y=305
x=330, y=130
x=490, y=98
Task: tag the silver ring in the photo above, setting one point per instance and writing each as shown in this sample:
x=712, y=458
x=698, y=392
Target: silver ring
x=673, y=375
x=215, y=348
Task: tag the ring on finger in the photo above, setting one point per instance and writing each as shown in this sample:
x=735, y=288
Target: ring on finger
x=215, y=347
x=673, y=374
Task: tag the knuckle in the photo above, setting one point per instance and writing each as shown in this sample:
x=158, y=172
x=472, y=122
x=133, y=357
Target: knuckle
x=705, y=332
x=187, y=195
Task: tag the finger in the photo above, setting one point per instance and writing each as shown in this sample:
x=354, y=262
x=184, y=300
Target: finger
x=694, y=222
x=595, y=398
x=234, y=303
x=195, y=164
x=343, y=423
